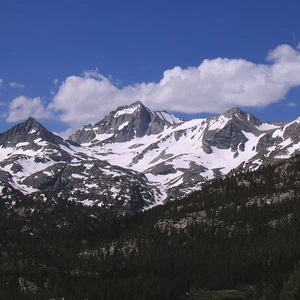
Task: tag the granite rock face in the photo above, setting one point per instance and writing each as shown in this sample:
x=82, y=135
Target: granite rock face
x=126, y=123
x=38, y=162
x=95, y=182
x=231, y=136
x=28, y=132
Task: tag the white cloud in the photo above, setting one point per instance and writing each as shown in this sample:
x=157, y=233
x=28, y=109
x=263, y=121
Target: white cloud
x=22, y=108
x=16, y=85
x=55, y=81
x=213, y=87
x=291, y=104
x=81, y=99
x=1, y=81
x=66, y=133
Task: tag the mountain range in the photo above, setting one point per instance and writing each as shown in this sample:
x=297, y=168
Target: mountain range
x=136, y=158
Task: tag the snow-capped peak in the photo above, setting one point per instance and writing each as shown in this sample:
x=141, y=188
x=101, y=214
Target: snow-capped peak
x=128, y=110
x=126, y=123
x=133, y=147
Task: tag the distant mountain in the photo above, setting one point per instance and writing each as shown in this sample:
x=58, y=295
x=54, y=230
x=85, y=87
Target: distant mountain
x=35, y=161
x=180, y=155
x=125, y=124
x=136, y=158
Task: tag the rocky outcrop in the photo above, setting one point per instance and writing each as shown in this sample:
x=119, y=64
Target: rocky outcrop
x=85, y=135
x=162, y=169
x=95, y=182
x=135, y=158
x=29, y=133
x=124, y=124
x=231, y=135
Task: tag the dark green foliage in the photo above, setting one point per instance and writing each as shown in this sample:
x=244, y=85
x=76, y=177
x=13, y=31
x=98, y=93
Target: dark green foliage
x=291, y=289
x=242, y=230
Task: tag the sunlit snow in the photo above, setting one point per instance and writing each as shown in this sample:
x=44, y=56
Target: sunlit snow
x=126, y=111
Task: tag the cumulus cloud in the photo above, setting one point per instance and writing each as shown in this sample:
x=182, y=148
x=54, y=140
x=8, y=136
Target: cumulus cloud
x=22, y=108
x=66, y=133
x=16, y=85
x=213, y=87
x=82, y=99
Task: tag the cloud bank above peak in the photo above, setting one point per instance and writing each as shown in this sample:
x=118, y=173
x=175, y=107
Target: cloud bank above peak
x=22, y=107
x=212, y=87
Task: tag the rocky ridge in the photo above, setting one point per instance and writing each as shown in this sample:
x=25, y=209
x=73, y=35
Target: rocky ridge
x=124, y=124
x=136, y=158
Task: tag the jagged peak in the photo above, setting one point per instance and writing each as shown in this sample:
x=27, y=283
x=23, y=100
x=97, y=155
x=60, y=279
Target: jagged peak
x=27, y=127
x=137, y=104
x=31, y=119
x=27, y=132
x=129, y=109
x=234, y=111
x=237, y=112
x=32, y=123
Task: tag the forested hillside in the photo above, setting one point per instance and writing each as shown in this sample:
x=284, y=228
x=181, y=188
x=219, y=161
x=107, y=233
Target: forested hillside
x=238, y=232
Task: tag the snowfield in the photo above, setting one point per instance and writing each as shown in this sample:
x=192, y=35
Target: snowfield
x=182, y=155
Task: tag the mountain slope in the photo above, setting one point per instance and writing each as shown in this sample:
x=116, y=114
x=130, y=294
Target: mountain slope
x=136, y=158
x=239, y=232
x=124, y=124
x=185, y=154
x=37, y=162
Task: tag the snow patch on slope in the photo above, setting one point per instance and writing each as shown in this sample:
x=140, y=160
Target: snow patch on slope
x=123, y=125
x=168, y=117
x=127, y=111
x=218, y=123
x=266, y=126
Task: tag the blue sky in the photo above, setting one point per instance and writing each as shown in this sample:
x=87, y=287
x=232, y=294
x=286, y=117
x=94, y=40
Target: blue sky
x=68, y=63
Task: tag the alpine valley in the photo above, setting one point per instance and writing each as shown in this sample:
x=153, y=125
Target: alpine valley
x=136, y=158
x=76, y=223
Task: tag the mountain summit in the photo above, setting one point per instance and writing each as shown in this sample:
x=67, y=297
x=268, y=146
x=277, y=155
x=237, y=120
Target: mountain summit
x=179, y=155
x=126, y=123
x=28, y=132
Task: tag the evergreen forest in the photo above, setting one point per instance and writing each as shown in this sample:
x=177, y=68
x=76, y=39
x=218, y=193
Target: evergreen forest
x=240, y=232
